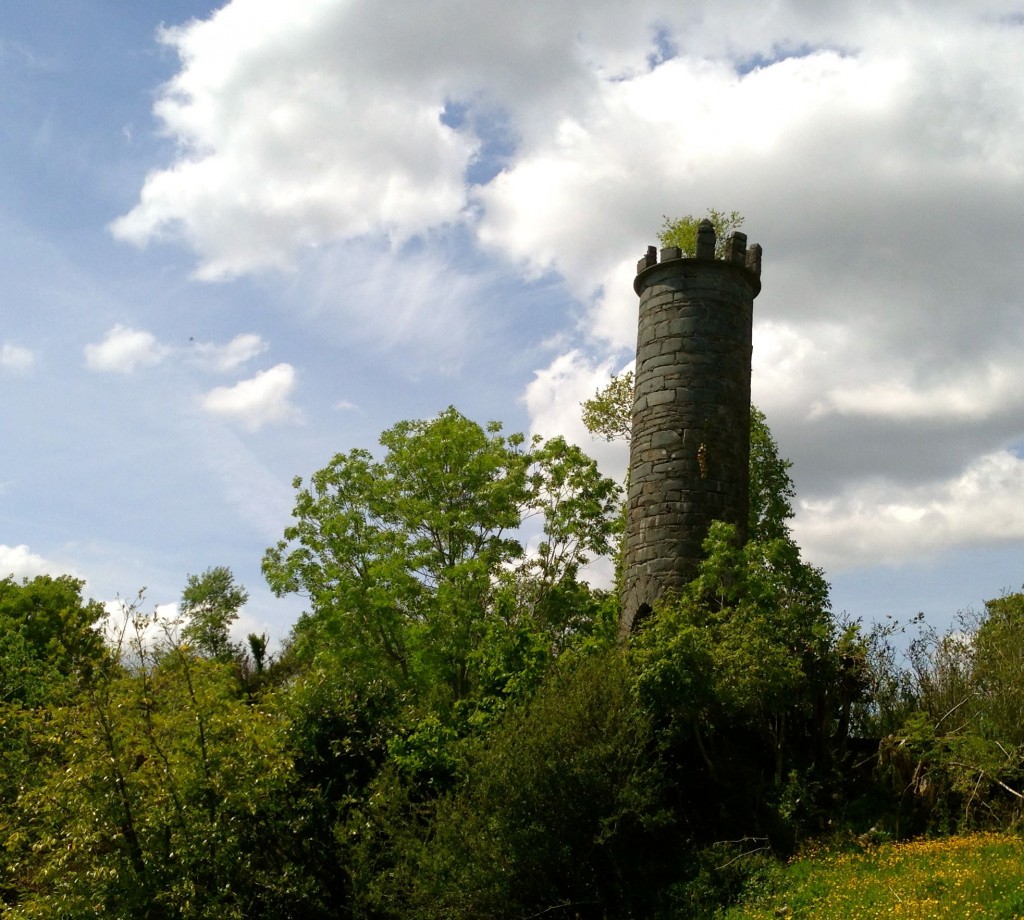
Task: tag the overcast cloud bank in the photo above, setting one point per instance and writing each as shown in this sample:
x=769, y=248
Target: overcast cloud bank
x=874, y=151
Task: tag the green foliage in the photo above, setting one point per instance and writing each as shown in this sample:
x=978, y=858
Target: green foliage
x=427, y=621
x=160, y=794
x=452, y=730
x=258, y=650
x=682, y=231
x=956, y=758
x=741, y=674
x=396, y=556
x=578, y=507
x=45, y=626
x=410, y=564
x=724, y=873
x=210, y=604
x=49, y=644
x=771, y=487
x=609, y=412
x=559, y=811
x=591, y=794
x=996, y=654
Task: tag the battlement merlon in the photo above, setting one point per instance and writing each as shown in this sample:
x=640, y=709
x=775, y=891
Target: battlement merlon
x=735, y=252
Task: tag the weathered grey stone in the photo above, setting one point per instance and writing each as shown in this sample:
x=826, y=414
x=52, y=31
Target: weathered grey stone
x=660, y=397
x=691, y=415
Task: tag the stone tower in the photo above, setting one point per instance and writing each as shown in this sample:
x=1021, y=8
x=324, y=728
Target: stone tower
x=690, y=446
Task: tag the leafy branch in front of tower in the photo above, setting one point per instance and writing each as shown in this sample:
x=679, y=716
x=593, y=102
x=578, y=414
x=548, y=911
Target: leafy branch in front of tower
x=682, y=231
x=609, y=412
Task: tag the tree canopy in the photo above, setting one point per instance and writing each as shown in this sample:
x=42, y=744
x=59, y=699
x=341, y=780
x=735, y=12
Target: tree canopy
x=210, y=604
x=408, y=561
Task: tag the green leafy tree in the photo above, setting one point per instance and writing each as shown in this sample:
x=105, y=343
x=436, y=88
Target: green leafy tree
x=578, y=509
x=50, y=643
x=559, y=812
x=163, y=795
x=996, y=655
x=46, y=621
x=609, y=412
x=396, y=555
x=577, y=506
x=682, y=231
x=258, y=650
x=771, y=487
x=427, y=617
x=403, y=559
x=210, y=604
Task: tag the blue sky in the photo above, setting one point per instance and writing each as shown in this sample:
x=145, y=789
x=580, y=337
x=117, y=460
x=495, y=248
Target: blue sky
x=239, y=238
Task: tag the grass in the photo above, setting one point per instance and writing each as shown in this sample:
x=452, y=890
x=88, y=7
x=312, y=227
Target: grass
x=973, y=876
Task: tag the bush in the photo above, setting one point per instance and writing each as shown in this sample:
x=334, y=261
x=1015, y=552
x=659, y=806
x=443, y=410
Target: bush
x=559, y=811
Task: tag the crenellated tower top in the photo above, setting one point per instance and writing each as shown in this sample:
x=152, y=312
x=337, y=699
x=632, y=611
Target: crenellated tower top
x=734, y=252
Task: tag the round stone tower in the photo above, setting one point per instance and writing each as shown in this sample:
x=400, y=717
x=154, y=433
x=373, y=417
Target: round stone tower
x=690, y=448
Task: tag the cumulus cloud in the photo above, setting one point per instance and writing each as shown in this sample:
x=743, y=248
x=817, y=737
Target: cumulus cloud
x=16, y=359
x=124, y=350
x=19, y=562
x=554, y=397
x=298, y=125
x=874, y=150
x=261, y=400
x=877, y=523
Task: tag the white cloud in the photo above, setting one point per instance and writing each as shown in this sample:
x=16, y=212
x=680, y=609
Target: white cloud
x=554, y=397
x=262, y=400
x=880, y=523
x=237, y=352
x=20, y=562
x=791, y=361
x=134, y=628
x=973, y=395
x=16, y=358
x=124, y=350
x=873, y=148
x=297, y=127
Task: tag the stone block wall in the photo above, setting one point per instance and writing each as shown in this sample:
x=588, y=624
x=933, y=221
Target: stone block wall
x=690, y=448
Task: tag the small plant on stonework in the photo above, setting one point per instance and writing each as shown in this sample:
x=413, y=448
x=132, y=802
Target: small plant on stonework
x=682, y=231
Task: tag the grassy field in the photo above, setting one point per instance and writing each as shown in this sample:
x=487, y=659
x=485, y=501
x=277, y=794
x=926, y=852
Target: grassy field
x=976, y=876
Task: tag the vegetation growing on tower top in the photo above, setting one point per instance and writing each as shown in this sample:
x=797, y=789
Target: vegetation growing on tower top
x=682, y=231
